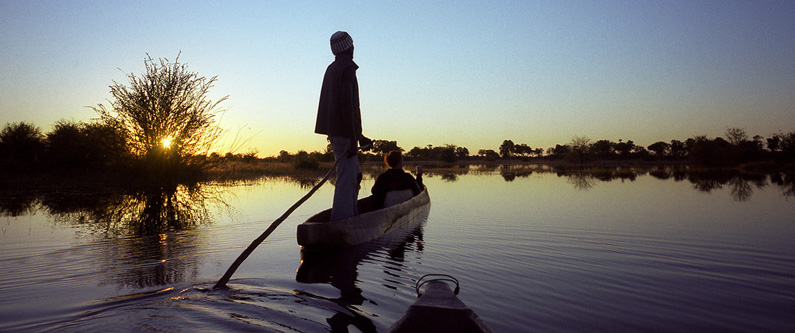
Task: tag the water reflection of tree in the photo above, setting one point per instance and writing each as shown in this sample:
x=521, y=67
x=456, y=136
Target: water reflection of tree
x=449, y=177
x=151, y=248
x=139, y=213
x=785, y=181
x=609, y=174
x=741, y=189
x=509, y=173
x=660, y=173
x=679, y=173
x=17, y=203
x=709, y=180
x=581, y=180
x=741, y=184
x=140, y=231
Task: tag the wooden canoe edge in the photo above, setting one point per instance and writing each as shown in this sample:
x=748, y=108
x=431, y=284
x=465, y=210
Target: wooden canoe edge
x=361, y=228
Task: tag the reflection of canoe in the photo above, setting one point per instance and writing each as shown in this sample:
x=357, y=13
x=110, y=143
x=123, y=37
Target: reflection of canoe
x=439, y=310
x=317, y=231
x=340, y=266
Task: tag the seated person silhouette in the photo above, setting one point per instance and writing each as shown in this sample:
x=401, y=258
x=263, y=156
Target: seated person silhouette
x=395, y=185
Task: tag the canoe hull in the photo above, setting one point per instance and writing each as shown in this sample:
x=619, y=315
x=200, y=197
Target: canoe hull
x=439, y=310
x=318, y=232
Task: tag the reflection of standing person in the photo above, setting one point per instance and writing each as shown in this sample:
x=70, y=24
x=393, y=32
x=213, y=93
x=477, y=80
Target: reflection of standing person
x=339, y=117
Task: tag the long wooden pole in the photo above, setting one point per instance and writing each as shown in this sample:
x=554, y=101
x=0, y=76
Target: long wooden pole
x=228, y=275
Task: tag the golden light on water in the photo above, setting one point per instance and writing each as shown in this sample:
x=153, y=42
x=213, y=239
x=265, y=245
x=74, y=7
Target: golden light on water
x=166, y=142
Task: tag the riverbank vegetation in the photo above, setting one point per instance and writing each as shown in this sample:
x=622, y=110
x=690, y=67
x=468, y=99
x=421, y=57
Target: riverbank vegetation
x=83, y=149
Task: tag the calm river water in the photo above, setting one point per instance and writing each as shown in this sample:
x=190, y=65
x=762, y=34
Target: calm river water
x=535, y=249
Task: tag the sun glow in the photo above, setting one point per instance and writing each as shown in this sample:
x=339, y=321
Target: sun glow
x=166, y=143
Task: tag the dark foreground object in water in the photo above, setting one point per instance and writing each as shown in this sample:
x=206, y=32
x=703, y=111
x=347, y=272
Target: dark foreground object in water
x=439, y=310
x=319, y=232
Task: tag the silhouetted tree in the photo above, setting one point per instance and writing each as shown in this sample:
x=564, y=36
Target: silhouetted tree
x=165, y=111
x=624, y=148
x=251, y=156
x=304, y=160
x=420, y=153
x=787, y=146
x=558, y=152
x=603, y=149
x=702, y=150
x=736, y=136
x=773, y=143
x=750, y=150
x=73, y=145
x=507, y=149
x=383, y=147
x=639, y=151
x=579, y=149
x=284, y=156
x=461, y=153
x=448, y=154
x=21, y=145
x=65, y=145
x=660, y=148
x=488, y=154
x=678, y=149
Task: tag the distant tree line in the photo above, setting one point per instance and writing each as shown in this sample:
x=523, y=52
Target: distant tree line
x=74, y=145
x=447, y=153
x=735, y=149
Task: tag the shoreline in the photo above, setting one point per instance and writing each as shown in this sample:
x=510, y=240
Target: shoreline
x=239, y=171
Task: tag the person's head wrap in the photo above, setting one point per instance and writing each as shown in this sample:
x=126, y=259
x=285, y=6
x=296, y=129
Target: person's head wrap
x=340, y=42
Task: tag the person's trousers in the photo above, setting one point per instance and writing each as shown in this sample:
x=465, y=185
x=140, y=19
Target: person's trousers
x=346, y=191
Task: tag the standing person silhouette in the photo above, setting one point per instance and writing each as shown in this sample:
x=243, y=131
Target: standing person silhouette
x=339, y=117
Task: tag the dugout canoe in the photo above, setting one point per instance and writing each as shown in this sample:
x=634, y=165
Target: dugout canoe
x=438, y=309
x=319, y=232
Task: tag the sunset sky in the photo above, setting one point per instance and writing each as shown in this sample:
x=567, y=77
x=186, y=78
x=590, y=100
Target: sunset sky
x=470, y=73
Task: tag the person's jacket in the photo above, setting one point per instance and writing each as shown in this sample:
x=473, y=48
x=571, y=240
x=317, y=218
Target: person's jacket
x=394, y=180
x=338, y=112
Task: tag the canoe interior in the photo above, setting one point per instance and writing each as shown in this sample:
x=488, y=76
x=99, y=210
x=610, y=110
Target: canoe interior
x=365, y=205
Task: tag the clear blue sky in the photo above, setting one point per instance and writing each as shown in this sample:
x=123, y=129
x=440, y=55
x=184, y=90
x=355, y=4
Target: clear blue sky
x=470, y=73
